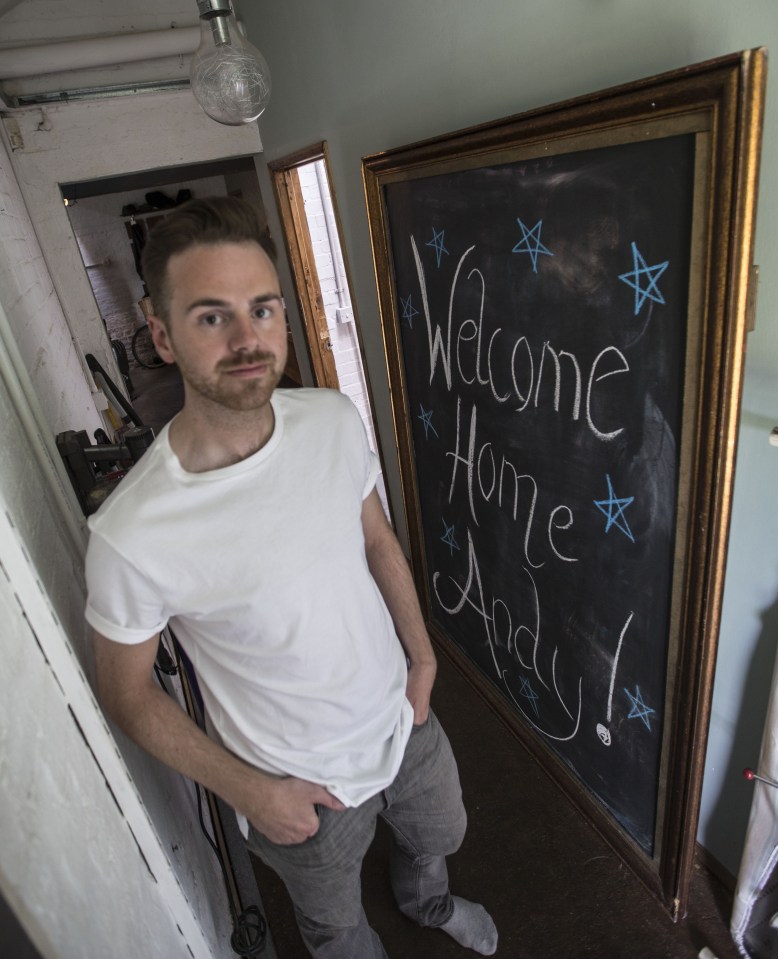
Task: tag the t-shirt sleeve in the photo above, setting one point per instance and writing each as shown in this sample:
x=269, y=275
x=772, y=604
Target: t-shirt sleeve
x=370, y=464
x=122, y=603
x=374, y=469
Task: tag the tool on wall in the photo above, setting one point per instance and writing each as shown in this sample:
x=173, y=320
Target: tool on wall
x=96, y=469
x=111, y=390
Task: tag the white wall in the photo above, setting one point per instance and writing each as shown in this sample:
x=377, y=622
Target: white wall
x=367, y=76
x=34, y=310
x=54, y=318
x=81, y=859
x=71, y=868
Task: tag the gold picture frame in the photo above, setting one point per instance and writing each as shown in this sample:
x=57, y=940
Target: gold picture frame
x=564, y=297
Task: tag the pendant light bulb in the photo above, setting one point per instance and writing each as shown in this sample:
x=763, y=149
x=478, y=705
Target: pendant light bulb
x=230, y=78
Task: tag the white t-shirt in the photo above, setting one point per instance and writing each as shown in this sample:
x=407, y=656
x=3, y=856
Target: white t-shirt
x=260, y=569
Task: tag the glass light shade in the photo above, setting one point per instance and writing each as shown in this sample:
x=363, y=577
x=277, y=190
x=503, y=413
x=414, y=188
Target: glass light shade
x=230, y=78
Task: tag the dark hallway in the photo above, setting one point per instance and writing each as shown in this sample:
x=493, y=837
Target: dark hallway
x=552, y=885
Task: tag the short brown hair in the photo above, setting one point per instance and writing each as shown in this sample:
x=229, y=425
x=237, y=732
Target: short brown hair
x=217, y=219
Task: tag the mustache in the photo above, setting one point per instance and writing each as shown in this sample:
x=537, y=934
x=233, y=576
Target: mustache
x=248, y=359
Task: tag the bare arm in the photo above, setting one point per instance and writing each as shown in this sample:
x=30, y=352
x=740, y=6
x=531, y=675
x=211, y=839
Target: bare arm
x=281, y=809
x=390, y=570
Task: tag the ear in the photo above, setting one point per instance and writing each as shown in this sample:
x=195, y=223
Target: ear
x=161, y=338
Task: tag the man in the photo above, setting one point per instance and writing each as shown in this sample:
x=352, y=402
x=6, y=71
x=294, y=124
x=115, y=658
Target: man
x=253, y=526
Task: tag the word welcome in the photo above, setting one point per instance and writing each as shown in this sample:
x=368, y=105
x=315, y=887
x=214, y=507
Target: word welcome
x=519, y=379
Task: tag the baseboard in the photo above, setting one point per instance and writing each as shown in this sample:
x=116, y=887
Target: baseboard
x=714, y=867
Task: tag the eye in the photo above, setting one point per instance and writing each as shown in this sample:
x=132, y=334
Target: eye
x=263, y=312
x=210, y=319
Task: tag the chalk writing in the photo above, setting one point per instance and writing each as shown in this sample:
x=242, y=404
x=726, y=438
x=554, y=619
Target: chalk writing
x=602, y=730
x=522, y=644
x=519, y=380
x=507, y=482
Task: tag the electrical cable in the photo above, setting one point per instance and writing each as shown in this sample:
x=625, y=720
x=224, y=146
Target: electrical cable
x=211, y=840
x=249, y=934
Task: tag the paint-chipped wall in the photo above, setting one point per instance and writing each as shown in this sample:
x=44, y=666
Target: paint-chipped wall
x=41, y=333
x=71, y=869
x=50, y=798
x=34, y=311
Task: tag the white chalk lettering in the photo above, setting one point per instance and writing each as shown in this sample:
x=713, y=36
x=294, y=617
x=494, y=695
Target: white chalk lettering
x=596, y=379
x=557, y=372
x=502, y=651
x=482, y=477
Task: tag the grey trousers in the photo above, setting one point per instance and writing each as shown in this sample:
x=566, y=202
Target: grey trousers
x=424, y=808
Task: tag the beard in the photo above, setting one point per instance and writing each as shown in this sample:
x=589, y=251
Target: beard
x=233, y=393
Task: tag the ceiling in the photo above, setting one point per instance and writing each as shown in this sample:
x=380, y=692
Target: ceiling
x=66, y=49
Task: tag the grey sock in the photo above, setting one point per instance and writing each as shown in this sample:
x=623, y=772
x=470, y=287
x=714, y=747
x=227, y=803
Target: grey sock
x=471, y=926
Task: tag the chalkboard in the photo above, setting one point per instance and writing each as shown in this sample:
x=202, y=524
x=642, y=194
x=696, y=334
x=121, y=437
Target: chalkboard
x=543, y=332
x=550, y=313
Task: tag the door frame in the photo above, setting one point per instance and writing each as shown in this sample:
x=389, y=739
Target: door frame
x=297, y=239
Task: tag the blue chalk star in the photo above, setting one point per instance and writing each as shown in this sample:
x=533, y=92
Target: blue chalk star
x=529, y=693
x=448, y=537
x=437, y=243
x=530, y=243
x=408, y=311
x=613, y=510
x=639, y=709
x=649, y=274
x=426, y=417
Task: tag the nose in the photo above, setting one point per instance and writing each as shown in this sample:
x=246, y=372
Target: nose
x=243, y=334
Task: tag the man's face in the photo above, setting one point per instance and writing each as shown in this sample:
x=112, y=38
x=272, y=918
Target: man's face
x=227, y=325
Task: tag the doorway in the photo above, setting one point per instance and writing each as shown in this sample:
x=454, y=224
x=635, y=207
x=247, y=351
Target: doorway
x=308, y=211
x=110, y=218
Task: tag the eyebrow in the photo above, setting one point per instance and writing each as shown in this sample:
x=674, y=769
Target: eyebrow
x=209, y=301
